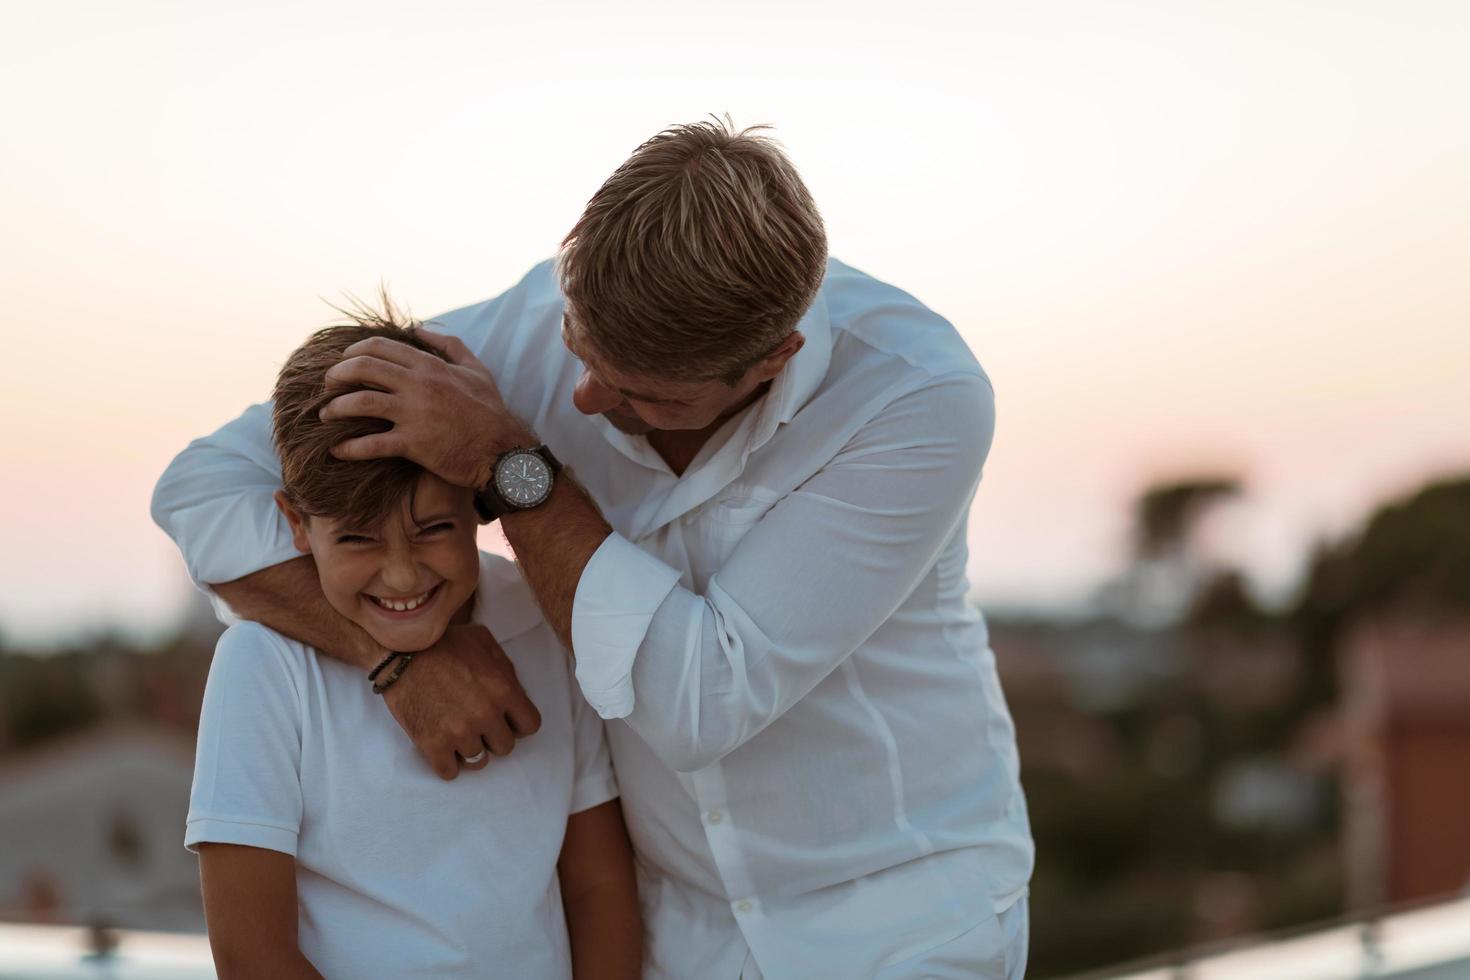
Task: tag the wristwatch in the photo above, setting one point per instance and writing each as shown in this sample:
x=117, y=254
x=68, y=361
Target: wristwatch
x=521, y=479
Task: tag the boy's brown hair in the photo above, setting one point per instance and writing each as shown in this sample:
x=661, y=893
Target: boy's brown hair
x=360, y=493
x=697, y=257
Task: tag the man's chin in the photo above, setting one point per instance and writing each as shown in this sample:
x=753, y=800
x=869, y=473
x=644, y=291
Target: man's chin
x=633, y=426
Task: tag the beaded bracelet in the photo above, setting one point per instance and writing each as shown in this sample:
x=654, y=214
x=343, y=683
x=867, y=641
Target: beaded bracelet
x=391, y=679
x=373, y=674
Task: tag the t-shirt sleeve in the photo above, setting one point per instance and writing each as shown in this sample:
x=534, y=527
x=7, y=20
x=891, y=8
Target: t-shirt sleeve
x=215, y=499
x=247, y=766
x=593, y=781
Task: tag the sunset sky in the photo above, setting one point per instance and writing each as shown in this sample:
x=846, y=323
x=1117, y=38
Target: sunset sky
x=1179, y=236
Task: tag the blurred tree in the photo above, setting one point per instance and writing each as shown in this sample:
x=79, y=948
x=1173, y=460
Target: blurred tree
x=1224, y=602
x=45, y=696
x=1166, y=570
x=1165, y=515
x=1413, y=553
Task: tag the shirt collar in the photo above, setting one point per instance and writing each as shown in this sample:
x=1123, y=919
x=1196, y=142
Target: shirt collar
x=796, y=385
x=503, y=601
x=790, y=390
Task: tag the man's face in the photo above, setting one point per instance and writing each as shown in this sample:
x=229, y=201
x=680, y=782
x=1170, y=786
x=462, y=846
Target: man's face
x=405, y=580
x=638, y=404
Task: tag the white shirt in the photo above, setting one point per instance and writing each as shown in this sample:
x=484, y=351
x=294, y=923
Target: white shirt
x=398, y=872
x=817, y=764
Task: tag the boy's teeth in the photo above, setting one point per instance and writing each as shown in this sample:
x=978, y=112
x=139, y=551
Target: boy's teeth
x=404, y=605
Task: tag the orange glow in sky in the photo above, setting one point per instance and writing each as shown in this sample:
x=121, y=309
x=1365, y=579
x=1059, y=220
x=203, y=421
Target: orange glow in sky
x=1176, y=235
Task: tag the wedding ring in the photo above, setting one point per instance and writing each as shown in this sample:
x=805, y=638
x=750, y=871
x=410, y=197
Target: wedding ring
x=475, y=759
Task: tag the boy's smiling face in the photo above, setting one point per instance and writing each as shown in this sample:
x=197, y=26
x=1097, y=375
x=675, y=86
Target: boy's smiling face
x=406, y=580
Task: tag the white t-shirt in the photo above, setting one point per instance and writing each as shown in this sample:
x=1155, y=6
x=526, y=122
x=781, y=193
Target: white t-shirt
x=398, y=872
x=817, y=764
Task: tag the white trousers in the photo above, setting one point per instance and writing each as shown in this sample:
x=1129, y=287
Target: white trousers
x=993, y=950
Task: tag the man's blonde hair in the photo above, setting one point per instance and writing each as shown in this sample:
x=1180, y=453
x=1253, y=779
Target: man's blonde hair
x=697, y=257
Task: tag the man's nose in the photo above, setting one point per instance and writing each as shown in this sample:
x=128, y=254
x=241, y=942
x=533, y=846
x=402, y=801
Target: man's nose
x=593, y=398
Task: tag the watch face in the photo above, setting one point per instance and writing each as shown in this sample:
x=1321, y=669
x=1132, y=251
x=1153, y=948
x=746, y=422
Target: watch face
x=523, y=478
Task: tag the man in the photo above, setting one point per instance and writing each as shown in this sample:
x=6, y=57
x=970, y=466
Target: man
x=755, y=555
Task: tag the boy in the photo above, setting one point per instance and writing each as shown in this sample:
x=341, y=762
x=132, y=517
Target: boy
x=326, y=848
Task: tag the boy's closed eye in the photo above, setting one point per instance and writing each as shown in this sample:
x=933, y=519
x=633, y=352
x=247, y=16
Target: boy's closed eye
x=430, y=530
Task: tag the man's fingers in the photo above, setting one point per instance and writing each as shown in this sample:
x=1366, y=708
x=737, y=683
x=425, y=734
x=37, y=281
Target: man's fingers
x=523, y=717
x=374, y=404
x=451, y=347
x=379, y=445
x=368, y=372
x=444, y=763
x=473, y=755
x=497, y=736
x=383, y=349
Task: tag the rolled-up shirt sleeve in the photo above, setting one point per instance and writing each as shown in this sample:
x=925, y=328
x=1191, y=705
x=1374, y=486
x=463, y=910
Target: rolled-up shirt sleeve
x=621, y=589
x=698, y=675
x=216, y=500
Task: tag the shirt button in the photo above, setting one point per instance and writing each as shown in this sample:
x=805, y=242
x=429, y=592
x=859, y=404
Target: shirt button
x=714, y=816
x=743, y=906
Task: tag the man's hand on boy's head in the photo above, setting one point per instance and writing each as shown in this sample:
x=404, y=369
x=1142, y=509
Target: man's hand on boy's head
x=447, y=416
x=459, y=695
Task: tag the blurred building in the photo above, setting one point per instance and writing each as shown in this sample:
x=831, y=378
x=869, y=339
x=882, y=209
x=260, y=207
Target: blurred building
x=94, y=827
x=1406, y=721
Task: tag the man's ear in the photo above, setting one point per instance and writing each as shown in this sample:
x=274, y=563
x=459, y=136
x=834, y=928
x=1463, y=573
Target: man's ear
x=774, y=362
x=297, y=520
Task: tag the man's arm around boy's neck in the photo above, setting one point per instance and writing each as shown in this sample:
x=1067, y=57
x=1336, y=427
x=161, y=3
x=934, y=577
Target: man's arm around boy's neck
x=288, y=598
x=464, y=683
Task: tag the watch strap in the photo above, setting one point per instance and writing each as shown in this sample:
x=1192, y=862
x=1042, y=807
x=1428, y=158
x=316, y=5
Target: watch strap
x=490, y=504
